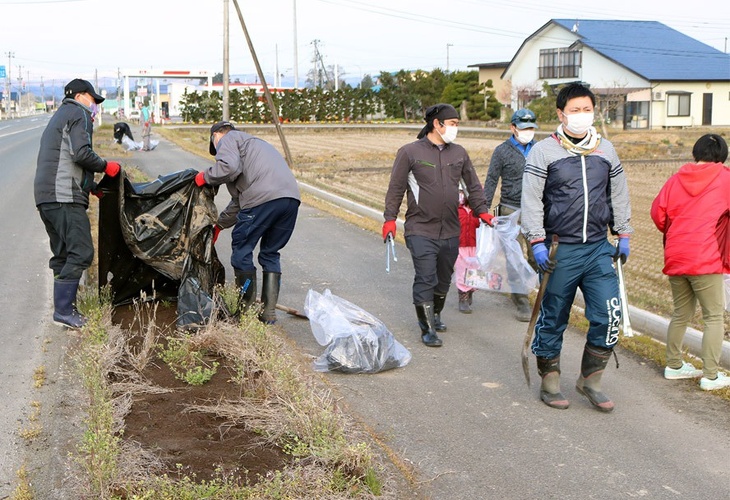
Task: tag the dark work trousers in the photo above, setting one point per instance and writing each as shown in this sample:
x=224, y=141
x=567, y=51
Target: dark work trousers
x=588, y=267
x=273, y=224
x=433, y=262
x=69, y=230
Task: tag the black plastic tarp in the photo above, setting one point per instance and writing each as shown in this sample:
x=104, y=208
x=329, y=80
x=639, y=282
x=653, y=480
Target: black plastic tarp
x=155, y=239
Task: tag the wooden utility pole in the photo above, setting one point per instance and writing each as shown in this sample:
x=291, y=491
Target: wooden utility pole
x=267, y=92
x=226, y=61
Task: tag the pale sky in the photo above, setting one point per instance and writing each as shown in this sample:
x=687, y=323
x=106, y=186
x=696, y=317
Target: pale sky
x=63, y=39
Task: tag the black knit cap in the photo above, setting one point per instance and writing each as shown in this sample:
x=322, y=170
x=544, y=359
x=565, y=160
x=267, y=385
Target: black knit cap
x=442, y=111
x=215, y=128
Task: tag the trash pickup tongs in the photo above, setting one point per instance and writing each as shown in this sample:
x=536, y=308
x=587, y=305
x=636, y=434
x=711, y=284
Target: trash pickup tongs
x=389, y=250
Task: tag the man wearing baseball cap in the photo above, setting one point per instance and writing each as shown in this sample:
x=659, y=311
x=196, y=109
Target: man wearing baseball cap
x=264, y=206
x=63, y=180
x=508, y=162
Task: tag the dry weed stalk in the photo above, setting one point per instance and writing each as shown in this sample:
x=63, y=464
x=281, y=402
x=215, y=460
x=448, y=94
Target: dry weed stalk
x=262, y=417
x=137, y=387
x=113, y=350
x=145, y=315
x=121, y=406
x=136, y=465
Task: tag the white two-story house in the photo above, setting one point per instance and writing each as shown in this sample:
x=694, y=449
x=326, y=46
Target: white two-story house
x=644, y=73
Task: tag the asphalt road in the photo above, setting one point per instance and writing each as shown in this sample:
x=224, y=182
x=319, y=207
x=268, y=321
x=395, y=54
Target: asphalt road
x=461, y=416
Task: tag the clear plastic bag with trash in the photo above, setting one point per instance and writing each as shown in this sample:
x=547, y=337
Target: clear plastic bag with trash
x=357, y=341
x=502, y=266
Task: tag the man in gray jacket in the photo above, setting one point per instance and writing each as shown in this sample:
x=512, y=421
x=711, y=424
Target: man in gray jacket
x=264, y=206
x=508, y=162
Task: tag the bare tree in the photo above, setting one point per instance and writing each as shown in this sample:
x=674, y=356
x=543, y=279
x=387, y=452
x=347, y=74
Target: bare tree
x=609, y=99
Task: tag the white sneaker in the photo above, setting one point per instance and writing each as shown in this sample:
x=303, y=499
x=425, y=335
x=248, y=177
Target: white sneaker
x=720, y=382
x=687, y=370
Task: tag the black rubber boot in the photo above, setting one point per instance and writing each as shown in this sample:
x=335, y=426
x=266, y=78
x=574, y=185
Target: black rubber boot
x=524, y=311
x=64, y=304
x=594, y=363
x=464, y=306
x=438, y=306
x=549, y=370
x=246, y=283
x=426, y=322
x=469, y=295
x=269, y=296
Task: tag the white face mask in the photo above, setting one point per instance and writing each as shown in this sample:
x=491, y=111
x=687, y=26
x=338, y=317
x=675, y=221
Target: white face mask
x=525, y=136
x=579, y=123
x=450, y=135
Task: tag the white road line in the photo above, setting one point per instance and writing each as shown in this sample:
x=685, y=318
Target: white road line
x=20, y=131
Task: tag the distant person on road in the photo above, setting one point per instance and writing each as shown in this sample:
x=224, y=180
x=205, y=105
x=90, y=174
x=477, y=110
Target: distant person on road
x=144, y=118
x=429, y=171
x=508, y=163
x=575, y=188
x=692, y=210
x=467, y=252
x=264, y=206
x=63, y=180
x=122, y=129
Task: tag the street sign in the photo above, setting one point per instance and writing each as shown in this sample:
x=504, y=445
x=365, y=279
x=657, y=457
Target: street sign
x=2, y=72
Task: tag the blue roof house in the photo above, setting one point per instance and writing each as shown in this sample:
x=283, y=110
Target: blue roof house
x=644, y=73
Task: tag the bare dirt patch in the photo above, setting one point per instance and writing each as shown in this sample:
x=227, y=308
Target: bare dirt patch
x=189, y=443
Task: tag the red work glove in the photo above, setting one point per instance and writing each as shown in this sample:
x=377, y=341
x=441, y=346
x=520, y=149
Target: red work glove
x=216, y=232
x=388, y=227
x=200, y=180
x=112, y=168
x=488, y=218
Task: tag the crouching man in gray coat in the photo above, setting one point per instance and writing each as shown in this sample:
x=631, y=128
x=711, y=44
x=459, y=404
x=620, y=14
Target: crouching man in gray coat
x=264, y=206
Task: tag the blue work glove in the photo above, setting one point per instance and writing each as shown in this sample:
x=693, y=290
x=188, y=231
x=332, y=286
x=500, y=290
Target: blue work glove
x=622, y=249
x=542, y=258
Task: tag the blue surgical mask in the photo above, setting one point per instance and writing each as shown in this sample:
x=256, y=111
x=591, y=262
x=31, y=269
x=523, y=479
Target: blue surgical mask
x=94, y=109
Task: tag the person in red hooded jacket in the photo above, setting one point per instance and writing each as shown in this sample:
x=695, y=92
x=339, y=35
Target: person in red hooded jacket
x=467, y=252
x=692, y=210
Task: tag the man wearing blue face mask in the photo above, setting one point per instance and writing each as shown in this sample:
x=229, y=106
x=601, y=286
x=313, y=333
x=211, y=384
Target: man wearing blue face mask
x=429, y=171
x=63, y=180
x=574, y=187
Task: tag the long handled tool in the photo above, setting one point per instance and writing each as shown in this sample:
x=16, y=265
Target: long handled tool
x=536, y=311
x=291, y=311
x=628, y=331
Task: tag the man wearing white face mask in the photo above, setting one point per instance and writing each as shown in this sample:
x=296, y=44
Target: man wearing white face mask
x=574, y=187
x=508, y=163
x=429, y=171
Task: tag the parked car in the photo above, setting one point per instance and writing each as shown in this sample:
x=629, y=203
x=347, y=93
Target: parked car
x=133, y=116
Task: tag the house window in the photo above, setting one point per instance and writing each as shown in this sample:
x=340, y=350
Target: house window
x=678, y=103
x=559, y=63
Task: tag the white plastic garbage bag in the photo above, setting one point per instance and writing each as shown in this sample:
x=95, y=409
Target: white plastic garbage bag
x=131, y=145
x=357, y=341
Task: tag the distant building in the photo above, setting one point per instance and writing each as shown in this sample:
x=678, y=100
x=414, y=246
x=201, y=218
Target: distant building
x=644, y=73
